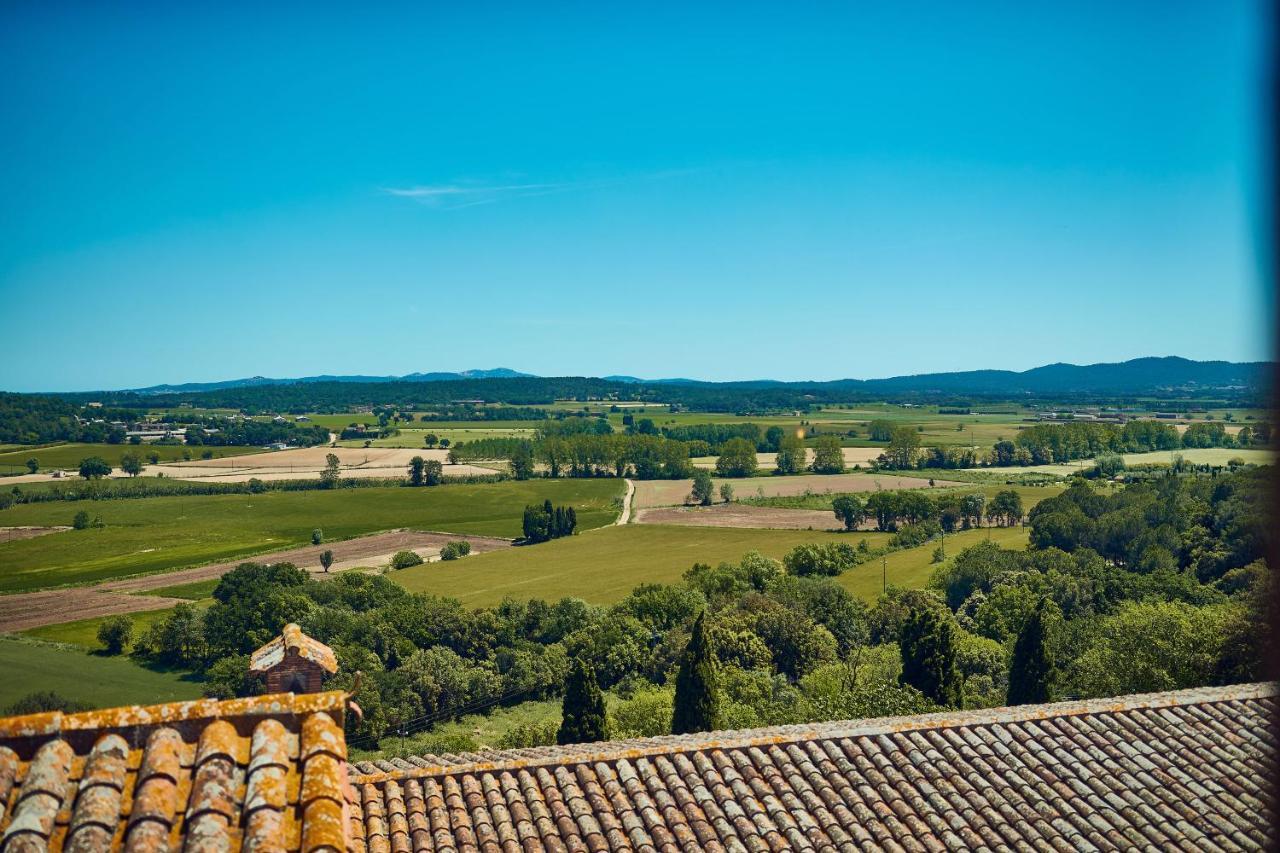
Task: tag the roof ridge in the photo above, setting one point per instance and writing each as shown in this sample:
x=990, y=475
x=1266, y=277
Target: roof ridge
x=610, y=751
x=58, y=722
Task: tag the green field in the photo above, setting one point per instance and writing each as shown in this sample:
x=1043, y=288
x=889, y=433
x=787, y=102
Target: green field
x=194, y=591
x=104, y=682
x=84, y=632
x=68, y=456
x=912, y=568
x=455, y=435
x=158, y=534
x=603, y=566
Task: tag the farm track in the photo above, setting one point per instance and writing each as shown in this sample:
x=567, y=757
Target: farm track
x=23, y=611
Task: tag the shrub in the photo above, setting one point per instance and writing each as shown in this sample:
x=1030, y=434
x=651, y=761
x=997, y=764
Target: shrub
x=81, y=520
x=42, y=701
x=405, y=559
x=454, y=550
x=317, y=536
x=115, y=633
x=828, y=559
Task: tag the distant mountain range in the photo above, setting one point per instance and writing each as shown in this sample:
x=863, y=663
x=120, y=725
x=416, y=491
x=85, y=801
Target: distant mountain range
x=1140, y=375
x=196, y=387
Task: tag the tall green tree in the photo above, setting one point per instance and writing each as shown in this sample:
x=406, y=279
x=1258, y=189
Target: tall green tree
x=697, y=700
x=828, y=458
x=791, y=455
x=703, y=489
x=329, y=476
x=737, y=458
x=928, y=647
x=583, y=719
x=1005, y=508
x=1031, y=672
x=131, y=464
x=416, y=467
x=904, y=447
x=33, y=464
x=432, y=472
x=94, y=467
x=850, y=510
x=522, y=461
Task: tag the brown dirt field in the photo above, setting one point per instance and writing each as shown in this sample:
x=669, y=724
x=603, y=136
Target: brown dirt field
x=654, y=493
x=51, y=607
x=739, y=515
x=12, y=534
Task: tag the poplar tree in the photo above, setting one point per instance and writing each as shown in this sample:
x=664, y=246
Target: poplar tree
x=697, y=702
x=583, y=716
x=1031, y=672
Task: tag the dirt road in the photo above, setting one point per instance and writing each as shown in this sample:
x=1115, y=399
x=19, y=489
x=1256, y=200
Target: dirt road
x=51, y=607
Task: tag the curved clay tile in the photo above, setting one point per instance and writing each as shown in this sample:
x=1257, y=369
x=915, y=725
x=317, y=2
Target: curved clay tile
x=97, y=808
x=43, y=790
x=155, y=795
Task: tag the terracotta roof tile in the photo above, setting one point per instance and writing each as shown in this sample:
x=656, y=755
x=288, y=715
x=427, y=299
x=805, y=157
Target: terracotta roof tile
x=203, y=775
x=1176, y=770
x=292, y=641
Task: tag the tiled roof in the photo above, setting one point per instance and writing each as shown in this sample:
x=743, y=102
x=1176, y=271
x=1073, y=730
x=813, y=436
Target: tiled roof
x=292, y=639
x=266, y=773
x=1184, y=770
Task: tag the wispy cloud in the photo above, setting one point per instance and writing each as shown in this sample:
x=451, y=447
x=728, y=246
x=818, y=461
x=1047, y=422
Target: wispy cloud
x=467, y=195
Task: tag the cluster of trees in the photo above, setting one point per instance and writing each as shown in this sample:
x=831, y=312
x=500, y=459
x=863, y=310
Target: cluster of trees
x=547, y=522
x=35, y=419
x=1049, y=443
x=1204, y=526
x=425, y=472
x=252, y=433
x=949, y=511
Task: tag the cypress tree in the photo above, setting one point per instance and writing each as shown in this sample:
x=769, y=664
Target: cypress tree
x=697, y=703
x=583, y=711
x=1031, y=672
x=928, y=647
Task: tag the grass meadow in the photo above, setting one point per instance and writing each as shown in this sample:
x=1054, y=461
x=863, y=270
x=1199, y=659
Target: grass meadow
x=603, y=566
x=68, y=456
x=102, y=681
x=158, y=534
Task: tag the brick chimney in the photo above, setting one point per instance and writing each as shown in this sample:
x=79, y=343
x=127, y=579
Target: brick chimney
x=293, y=662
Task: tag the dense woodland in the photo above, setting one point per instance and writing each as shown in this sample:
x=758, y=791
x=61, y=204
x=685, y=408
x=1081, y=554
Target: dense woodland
x=1158, y=585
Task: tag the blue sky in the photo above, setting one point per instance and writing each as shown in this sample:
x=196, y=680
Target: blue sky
x=194, y=192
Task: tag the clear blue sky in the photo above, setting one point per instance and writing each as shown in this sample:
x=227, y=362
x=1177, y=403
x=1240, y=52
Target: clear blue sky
x=193, y=192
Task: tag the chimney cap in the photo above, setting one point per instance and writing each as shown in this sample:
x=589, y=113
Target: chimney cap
x=292, y=639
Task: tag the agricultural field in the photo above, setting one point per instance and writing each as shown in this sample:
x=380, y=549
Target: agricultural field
x=84, y=632
x=912, y=567
x=603, y=566
x=79, y=675
x=651, y=493
x=148, y=535
x=1195, y=455
x=307, y=463
x=414, y=438
x=68, y=456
